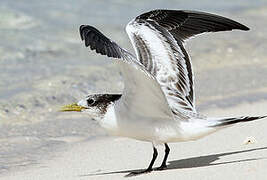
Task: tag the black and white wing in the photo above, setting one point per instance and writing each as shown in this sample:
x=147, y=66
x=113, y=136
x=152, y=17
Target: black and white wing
x=142, y=98
x=158, y=38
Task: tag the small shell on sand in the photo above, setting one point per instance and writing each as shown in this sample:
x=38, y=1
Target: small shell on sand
x=249, y=140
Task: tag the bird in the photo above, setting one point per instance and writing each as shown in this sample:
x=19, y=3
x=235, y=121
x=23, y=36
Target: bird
x=157, y=103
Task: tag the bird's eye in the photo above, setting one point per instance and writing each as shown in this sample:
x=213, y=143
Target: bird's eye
x=90, y=101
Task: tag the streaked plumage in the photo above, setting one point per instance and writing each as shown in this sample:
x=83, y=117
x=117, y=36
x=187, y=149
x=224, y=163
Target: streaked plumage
x=158, y=101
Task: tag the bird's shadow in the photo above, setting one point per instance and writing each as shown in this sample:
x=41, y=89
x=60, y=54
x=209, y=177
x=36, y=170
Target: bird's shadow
x=201, y=161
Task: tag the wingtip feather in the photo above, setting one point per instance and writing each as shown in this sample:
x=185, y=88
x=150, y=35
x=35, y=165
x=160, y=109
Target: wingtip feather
x=245, y=28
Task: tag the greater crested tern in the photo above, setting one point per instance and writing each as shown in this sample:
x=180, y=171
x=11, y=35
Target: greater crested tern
x=158, y=101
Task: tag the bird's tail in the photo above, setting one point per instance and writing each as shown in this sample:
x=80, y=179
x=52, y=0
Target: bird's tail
x=221, y=122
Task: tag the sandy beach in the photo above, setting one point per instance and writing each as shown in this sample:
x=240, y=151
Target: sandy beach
x=44, y=65
x=238, y=152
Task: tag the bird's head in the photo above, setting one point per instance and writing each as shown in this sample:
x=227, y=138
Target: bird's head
x=95, y=105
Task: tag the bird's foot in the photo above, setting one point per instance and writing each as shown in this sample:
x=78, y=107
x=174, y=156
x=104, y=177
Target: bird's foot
x=136, y=173
x=162, y=167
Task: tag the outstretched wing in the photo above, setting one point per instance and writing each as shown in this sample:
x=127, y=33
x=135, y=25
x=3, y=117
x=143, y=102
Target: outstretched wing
x=142, y=97
x=158, y=38
x=183, y=24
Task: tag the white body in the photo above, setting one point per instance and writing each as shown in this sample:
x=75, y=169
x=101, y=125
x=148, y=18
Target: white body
x=154, y=130
x=143, y=112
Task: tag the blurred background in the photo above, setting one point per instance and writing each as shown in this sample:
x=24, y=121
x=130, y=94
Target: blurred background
x=44, y=65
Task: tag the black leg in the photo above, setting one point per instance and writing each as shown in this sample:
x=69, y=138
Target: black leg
x=149, y=169
x=155, y=155
x=164, y=165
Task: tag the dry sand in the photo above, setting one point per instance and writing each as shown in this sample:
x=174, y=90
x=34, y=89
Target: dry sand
x=222, y=155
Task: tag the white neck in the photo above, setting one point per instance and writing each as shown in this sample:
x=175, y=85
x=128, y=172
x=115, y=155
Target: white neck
x=109, y=121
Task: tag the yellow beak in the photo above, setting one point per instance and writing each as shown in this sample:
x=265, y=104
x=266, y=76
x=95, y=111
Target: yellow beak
x=72, y=107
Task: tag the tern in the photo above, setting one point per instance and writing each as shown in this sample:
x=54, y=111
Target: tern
x=158, y=102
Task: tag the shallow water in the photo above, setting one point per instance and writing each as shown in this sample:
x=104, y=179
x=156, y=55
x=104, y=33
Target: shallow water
x=44, y=65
